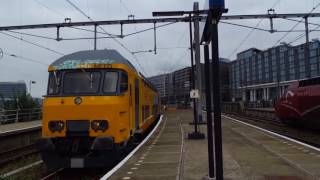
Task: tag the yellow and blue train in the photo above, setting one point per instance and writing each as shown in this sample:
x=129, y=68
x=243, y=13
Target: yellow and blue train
x=97, y=103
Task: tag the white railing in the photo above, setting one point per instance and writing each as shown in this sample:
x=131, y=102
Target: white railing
x=19, y=115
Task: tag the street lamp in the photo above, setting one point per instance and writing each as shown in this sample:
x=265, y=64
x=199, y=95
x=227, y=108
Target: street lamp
x=30, y=83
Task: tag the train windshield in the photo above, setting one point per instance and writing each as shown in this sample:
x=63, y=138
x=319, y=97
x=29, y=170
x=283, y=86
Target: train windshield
x=54, y=83
x=87, y=82
x=81, y=82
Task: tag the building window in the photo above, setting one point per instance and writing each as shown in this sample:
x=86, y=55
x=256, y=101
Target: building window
x=313, y=60
x=301, y=55
x=314, y=73
x=313, y=67
x=292, y=76
x=313, y=53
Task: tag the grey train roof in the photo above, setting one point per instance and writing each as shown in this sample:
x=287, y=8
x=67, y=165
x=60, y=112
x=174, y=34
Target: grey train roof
x=107, y=56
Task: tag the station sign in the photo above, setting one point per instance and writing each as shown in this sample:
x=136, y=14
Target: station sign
x=194, y=94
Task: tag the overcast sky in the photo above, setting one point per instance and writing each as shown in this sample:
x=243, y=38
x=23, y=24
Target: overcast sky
x=175, y=37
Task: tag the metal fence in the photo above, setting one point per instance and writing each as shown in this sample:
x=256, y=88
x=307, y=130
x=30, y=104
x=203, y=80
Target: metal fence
x=232, y=107
x=260, y=104
x=20, y=115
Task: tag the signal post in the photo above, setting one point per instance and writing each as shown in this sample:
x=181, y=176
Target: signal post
x=210, y=35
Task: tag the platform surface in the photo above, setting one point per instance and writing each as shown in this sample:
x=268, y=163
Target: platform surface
x=17, y=126
x=248, y=154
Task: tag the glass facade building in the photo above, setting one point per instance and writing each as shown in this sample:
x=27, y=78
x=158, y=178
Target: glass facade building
x=9, y=90
x=258, y=75
x=174, y=87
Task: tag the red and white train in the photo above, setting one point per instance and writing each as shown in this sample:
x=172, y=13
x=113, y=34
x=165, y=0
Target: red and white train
x=300, y=103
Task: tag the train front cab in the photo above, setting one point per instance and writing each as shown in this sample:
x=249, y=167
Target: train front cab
x=92, y=129
x=299, y=105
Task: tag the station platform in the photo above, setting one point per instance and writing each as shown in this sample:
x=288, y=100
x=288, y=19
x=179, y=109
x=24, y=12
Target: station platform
x=248, y=153
x=12, y=127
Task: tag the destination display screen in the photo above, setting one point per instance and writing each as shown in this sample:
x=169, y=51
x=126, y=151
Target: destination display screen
x=76, y=63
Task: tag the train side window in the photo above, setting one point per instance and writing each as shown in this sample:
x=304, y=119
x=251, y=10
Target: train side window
x=301, y=84
x=110, y=82
x=124, y=82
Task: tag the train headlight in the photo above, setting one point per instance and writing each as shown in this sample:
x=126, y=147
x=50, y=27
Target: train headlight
x=56, y=126
x=99, y=125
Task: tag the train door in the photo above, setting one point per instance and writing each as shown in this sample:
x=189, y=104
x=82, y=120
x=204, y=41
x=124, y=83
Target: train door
x=137, y=103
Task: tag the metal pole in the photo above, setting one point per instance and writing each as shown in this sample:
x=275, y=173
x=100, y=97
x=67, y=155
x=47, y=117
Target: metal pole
x=58, y=33
x=216, y=100
x=30, y=87
x=209, y=111
x=307, y=60
x=197, y=61
x=192, y=78
x=95, y=37
x=155, y=38
x=307, y=29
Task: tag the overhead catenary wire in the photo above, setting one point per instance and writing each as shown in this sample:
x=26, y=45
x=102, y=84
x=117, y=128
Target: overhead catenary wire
x=148, y=29
x=86, y=38
x=302, y=35
x=178, y=60
x=139, y=41
x=88, y=17
x=109, y=37
x=250, y=33
x=33, y=43
x=25, y=58
x=50, y=9
x=293, y=27
x=261, y=29
x=117, y=41
x=33, y=35
x=175, y=62
x=309, y=23
x=98, y=32
x=245, y=26
x=159, y=48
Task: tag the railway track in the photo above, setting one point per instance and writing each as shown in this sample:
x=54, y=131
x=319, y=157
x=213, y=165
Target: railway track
x=75, y=174
x=302, y=134
x=275, y=122
x=9, y=156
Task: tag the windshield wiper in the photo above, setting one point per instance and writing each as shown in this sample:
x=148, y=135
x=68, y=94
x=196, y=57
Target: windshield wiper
x=56, y=78
x=90, y=78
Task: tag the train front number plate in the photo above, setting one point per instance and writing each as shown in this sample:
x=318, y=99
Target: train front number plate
x=77, y=163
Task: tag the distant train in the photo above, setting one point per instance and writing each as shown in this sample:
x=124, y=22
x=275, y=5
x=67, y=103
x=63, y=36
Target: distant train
x=300, y=104
x=96, y=105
